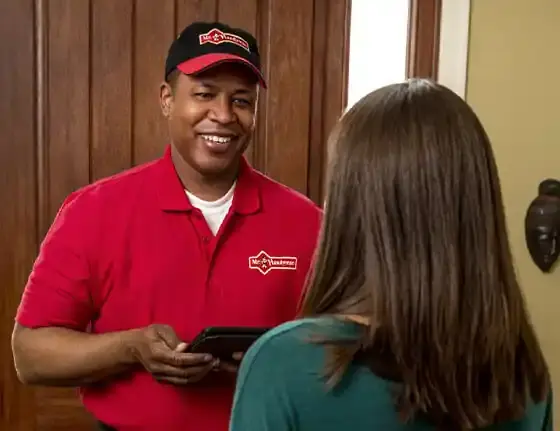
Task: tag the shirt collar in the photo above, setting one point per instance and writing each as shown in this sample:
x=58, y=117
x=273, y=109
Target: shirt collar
x=172, y=197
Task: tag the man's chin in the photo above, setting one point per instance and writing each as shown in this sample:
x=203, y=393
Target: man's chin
x=211, y=162
x=214, y=165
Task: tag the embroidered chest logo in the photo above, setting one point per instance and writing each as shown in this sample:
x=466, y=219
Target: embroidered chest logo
x=216, y=37
x=264, y=263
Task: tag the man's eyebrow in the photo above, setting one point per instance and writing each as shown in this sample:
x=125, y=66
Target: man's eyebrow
x=214, y=87
x=208, y=84
x=244, y=91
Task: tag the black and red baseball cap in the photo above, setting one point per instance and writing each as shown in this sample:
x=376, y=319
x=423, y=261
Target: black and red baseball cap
x=202, y=45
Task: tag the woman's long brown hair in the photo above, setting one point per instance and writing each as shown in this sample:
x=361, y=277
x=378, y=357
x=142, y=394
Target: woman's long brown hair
x=414, y=238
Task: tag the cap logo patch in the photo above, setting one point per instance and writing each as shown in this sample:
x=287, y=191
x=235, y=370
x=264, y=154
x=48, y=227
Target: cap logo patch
x=217, y=37
x=264, y=263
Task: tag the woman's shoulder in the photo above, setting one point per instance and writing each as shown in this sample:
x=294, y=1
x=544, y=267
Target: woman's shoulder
x=284, y=349
x=291, y=344
x=286, y=334
x=280, y=373
x=302, y=332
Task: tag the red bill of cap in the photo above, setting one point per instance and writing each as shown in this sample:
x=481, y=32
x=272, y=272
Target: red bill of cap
x=203, y=62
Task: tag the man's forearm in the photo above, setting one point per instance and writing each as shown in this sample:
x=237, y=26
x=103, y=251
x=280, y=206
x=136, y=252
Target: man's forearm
x=62, y=357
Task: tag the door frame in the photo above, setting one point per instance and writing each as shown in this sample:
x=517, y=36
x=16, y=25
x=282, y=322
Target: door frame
x=438, y=42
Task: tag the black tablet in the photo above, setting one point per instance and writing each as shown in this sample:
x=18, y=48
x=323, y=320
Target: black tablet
x=222, y=342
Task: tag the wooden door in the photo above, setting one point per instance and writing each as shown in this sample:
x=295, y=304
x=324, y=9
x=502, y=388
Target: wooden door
x=79, y=102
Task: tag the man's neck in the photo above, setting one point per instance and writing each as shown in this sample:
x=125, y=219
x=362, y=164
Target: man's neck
x=204, y=187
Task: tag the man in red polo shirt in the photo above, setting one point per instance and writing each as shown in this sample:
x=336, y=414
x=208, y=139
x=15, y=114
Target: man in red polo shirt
x=135, y=265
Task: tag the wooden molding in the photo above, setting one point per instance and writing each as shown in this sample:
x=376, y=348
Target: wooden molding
x=423, y=39
x=329, y=69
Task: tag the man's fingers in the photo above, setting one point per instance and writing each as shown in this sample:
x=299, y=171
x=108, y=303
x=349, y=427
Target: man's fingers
x=181, y=381
x=181, y=347
x=194, y=373
x=228, y=367
x=190, y=359
x=163, y=371
x=198, y=373
x=179, y=359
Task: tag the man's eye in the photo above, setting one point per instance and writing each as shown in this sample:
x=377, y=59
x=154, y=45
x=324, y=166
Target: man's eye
x=242, y=102
x=203, y=95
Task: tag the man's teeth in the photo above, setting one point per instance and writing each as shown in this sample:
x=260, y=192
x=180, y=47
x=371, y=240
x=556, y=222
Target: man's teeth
x=217, y=139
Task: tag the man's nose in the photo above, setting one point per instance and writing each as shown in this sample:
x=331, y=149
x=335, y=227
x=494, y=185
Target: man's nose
x=222, y=111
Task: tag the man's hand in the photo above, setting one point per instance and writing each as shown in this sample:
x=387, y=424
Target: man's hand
x=160, y=351
x=233, y=366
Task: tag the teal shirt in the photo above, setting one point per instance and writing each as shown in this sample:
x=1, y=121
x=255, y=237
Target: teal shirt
x=280, y=388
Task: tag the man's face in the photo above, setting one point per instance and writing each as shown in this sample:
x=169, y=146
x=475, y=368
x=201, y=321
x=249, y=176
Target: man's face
x=211, y=116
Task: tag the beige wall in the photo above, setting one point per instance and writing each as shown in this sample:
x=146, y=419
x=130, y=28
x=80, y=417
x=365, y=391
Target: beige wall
x=513, y=84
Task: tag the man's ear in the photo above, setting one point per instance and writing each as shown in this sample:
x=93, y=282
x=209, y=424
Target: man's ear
x=166, y=99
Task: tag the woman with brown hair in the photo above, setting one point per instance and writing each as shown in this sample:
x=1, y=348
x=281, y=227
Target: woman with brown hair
x=413, y=317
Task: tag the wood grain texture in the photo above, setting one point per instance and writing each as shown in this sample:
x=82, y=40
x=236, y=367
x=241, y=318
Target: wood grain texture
x=194, y=10
x=329, y=85
x=65, y=108
x=289, y=45
x=153, y=33
x=423, y=39
x=18, y=193
x=262, y=32
x=111, y=87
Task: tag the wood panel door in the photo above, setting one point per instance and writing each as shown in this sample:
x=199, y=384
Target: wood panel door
x=79, y=102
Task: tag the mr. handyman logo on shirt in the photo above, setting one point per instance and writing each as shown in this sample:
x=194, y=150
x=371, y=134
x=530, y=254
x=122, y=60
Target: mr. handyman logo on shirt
x=264, y=263
x=216, y=37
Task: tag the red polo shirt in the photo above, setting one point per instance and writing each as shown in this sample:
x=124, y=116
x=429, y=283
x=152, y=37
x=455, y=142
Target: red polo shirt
x=130, y=250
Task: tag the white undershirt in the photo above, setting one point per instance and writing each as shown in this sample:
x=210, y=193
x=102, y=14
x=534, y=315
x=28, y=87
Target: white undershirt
x=214, y=212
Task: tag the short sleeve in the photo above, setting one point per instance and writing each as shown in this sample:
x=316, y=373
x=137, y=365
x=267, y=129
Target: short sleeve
x=58, y=289
x=261, y=400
